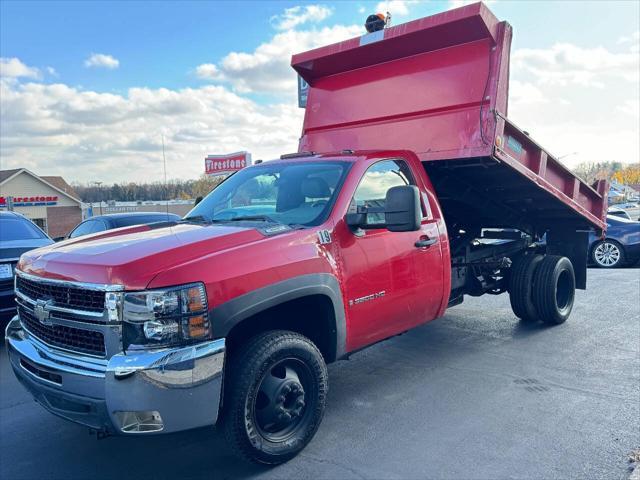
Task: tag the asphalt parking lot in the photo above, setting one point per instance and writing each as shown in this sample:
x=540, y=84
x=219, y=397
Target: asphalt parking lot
x=475, y=394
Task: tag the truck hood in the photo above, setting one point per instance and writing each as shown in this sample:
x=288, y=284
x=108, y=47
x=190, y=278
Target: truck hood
x=132, y=256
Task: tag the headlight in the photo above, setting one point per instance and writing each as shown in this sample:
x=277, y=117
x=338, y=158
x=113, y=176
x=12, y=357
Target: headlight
x=165, y=317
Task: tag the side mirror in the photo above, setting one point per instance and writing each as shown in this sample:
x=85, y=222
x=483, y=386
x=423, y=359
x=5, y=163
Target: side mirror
x=402, y=209
x=58, y=239
x=402, y=212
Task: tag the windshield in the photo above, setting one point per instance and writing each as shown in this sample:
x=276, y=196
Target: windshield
x=288, y=193
x=140, y=219
x=616, y=220
x=18, y=229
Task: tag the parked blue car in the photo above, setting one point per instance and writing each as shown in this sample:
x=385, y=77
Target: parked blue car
x=101, y=223
x=17, y=236
x=620, y=247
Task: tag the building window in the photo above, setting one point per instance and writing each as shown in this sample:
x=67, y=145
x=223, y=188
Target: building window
x=42, y=223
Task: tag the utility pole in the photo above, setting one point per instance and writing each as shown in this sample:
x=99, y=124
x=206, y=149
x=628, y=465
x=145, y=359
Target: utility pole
x=99, y=184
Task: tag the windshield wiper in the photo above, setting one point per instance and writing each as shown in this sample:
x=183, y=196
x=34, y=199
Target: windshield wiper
x=196, y=219
x=259, y=218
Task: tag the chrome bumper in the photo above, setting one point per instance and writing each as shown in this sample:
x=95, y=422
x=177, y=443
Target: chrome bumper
x=144, y=392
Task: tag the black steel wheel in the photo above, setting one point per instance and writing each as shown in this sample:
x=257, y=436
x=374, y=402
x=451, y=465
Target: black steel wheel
x=274, y=400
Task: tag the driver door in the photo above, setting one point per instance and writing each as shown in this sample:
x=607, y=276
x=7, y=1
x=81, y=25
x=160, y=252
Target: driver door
x=390, y=284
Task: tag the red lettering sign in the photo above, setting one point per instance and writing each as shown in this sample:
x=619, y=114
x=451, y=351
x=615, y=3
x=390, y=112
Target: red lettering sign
x=219, y=164
x=36, y=200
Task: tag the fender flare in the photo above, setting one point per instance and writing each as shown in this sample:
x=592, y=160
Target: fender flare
x=227, y=315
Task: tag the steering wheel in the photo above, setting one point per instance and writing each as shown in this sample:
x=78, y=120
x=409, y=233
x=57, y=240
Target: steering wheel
x=318, y=203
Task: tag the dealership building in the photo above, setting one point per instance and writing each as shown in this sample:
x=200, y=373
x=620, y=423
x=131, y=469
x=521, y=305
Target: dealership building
x=49, y=201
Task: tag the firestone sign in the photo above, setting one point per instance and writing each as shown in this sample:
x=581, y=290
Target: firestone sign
x=221, y=164
x=31, y=201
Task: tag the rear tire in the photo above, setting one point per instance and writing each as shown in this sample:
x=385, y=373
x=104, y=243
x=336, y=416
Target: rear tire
x=521, y=286
x=554, y=287
x=275, y=395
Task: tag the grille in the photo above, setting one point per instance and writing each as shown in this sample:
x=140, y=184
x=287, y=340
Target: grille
x=63, y=296
x=76, y=339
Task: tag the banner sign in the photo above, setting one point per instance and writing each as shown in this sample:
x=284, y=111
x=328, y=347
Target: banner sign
x=31, y=201
x=221, y=164
x=303, y=92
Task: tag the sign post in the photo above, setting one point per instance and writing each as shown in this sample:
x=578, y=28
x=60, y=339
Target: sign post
x=224, y=164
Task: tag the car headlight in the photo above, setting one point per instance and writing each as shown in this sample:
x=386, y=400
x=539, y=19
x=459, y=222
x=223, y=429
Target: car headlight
x=165, y=317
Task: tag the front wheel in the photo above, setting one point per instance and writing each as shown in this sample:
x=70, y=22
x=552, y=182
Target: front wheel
x=274, y=396
x=607, y=254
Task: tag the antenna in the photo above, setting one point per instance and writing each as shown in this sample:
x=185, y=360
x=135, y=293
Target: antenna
x=166, y=190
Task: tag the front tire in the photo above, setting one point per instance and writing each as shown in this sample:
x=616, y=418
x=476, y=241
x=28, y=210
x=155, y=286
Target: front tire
x=275, y=396
x=607, y=254
x=554, y=287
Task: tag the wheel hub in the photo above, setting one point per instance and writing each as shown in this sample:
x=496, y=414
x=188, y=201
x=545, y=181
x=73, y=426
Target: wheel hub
x=280, y=402
x=607, y=254
x=290, y=401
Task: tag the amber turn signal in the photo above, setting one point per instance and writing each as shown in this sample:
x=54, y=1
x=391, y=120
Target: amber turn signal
x=198, y=326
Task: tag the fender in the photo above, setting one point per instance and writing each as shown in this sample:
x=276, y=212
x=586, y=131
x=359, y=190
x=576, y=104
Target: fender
x=229, y=314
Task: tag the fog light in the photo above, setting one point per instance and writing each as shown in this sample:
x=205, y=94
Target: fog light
x=160, y=329
x=140, y=422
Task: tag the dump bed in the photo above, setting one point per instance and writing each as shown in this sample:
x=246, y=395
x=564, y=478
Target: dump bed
x=438, y=86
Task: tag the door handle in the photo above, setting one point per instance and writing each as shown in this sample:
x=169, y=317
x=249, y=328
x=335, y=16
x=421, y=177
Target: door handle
x=425, y=242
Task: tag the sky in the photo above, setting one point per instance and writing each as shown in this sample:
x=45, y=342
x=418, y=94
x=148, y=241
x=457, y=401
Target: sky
x=89, y=90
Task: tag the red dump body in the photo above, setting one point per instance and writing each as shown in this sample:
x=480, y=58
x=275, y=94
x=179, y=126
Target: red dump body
x=438, y=86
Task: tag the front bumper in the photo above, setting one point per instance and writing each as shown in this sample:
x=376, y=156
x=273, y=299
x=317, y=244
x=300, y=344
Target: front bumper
x=164, y=390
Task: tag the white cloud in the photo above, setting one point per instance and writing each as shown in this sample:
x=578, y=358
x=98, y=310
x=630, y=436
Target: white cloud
x=85, y=135
x=208, y=71
x=294, y=16
x=14, y=68
x=578, y=99
x=397, y=8
x=267, y=69
x=630, y=107
x=524, y=93
x=633, y=38
x=100, y=60
x=565, y=64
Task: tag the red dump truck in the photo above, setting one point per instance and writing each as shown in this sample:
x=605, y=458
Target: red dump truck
x=410, y=190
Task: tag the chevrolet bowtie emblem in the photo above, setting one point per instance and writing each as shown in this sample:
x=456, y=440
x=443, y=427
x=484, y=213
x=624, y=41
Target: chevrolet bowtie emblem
x=42, y=311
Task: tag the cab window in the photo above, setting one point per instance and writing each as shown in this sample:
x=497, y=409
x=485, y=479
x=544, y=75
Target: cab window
x=372, y=190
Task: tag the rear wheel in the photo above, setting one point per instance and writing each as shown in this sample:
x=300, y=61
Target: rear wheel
x=607, y=254
x=554, y=287
x=274, y=397
x=521, y=285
